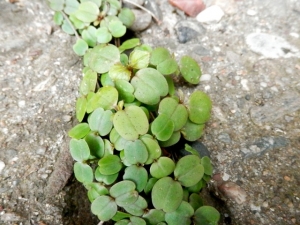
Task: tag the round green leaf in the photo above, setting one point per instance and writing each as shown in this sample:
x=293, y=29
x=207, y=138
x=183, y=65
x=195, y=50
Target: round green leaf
x=95, y=190
x=110, y=164
x=101, y=121
x=124, y=193
x=119, y=72
x=103, y=35
x=167, y=67
x=127, y=17
x=181, y=216
x=66, y=27
x=87, y=12
x=171, y=85
x=195, y=201
x=56, y=5
x=207, y=215
x=102, y=57
x=162, y=127
x=175, y=111
x=172, y=140
x=154, y=216
x=96, y=145
x=197, y=187
x=106, y=179
x=114, y=7
x=97, y=2
x=138, y=175
x=123, y=222
x=131, y=122
x=125, y=90
x=106, y=98
x=80, y=47
x=108, y=147
x=150, y=184
x=58, y=18
x=104, y=207
x=116, y=28
x=83, y=172
x=124, y=58
x=137, y=208
x=90, y=36
x=139, y=59
x=149, y=86
x=152, y=146
x=190, y=70
x=208, y=169
x=71, y=6
x=167, y=194
x=188, y=170
x=118, y=142
x=159, y=55
x=120, y=216
x=136, y=221
x=79, y=150
x=192, y=131
x=106, y=80
x=130, y=43
x=80, y=108
x=163, y=167
x=199, y=107
x=78, y=24
x=89, y=81
x=136, y=152
x=79, y=131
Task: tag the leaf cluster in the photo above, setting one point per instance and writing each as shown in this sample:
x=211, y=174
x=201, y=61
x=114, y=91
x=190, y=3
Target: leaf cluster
x=129, y=110
x=97, y=21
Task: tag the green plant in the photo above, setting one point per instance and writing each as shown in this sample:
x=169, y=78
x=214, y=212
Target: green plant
x=129, y=113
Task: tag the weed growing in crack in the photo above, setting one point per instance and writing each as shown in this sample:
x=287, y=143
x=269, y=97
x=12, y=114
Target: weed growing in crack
x=129, y=111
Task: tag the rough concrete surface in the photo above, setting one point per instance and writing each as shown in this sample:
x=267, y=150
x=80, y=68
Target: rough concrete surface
x=250, y=61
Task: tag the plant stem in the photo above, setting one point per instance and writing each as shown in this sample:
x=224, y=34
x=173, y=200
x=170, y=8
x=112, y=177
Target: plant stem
x=73, y=28
x=146, y=10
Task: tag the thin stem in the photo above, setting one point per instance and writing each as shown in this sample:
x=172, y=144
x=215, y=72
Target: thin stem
x=143, y=8
x=73, y=28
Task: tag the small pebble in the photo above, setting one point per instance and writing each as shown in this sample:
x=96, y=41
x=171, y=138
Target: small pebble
x=205, y=77
x=212, y=14
x=251, y=12
x=21, y=104
x=224, y=137
x=287, y=178
x=2, y=165
x=143, y=22
x=271, y=46
x=41, y=151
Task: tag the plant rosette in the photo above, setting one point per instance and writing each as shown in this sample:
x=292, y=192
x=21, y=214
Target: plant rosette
x=129, y=111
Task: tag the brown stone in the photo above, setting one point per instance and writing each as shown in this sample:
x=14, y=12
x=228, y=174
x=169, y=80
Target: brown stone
x=190, y=7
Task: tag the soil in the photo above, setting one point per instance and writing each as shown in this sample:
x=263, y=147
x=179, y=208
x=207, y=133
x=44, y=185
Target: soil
x=252, y=137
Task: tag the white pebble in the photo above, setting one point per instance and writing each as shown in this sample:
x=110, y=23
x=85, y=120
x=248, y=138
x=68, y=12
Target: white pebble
x=2, y=165
x=244, y=83
x=271, y=46
x=251, y=12
x=205, y=77
x=212, y=14
x=263, y=84
x=21, y=104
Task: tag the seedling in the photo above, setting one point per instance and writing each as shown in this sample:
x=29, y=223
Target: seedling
x=128, y=111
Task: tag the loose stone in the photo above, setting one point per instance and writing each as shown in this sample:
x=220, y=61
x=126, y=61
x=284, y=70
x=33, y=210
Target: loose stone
x=271, y=46
x=212, y=14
